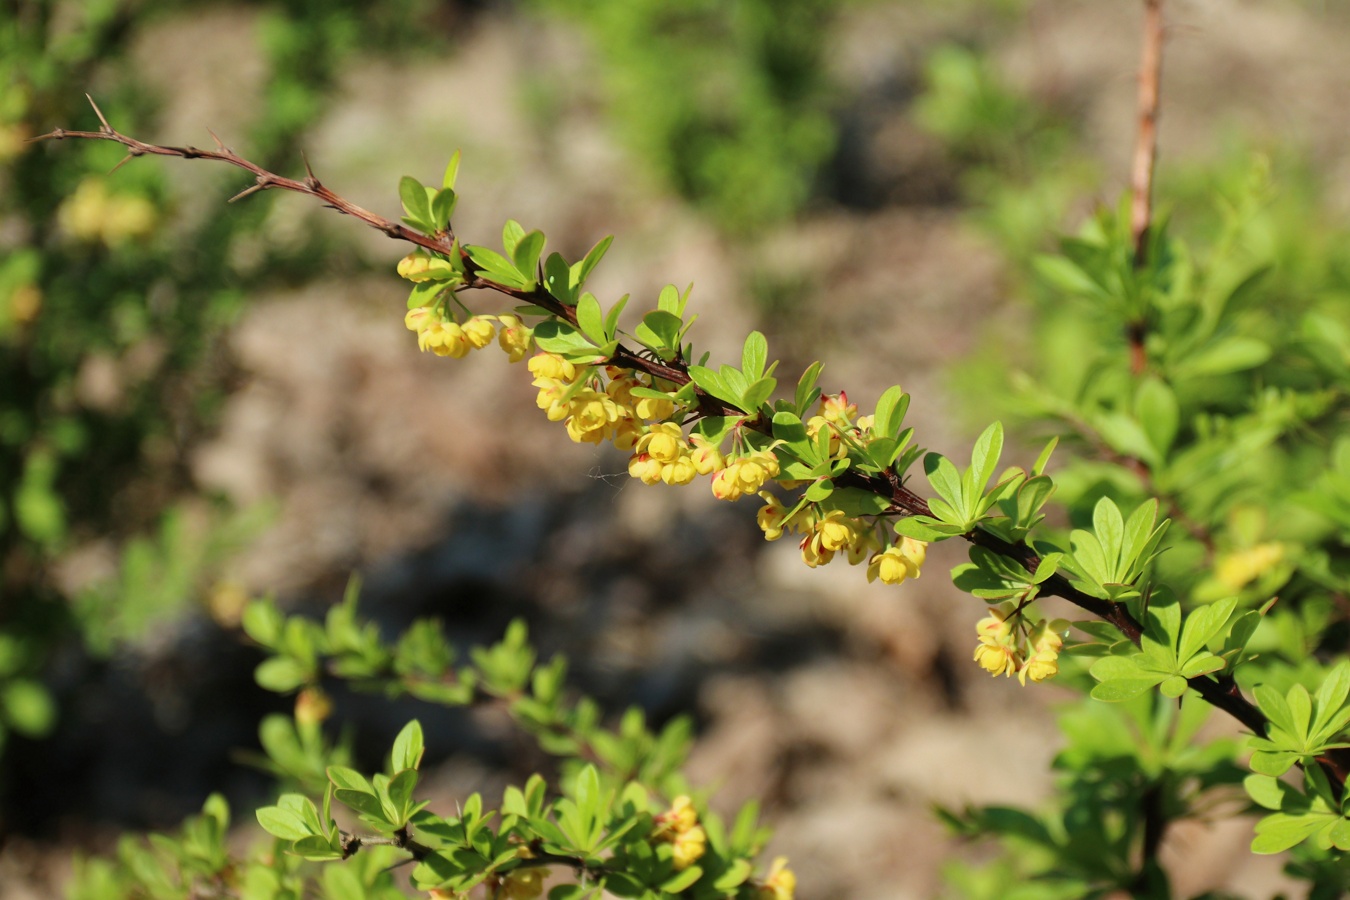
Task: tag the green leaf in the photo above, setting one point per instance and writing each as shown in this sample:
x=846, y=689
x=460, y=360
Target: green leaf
x=734, y=876
x=985, y=455
x=443, y=209
x=1331, y=696
x=1173, y=686
x=451, y=171
x=363, y=803
x=344, y=778
x=415, y=202
x=754, y=355
x=558, y=280
x=1300, y=710
x=263, y=622
x=712, y=383
x=807, y=392
x=757, y=392
x=819, y=490
x=590, y=319
x=1277, y=833
x=1271, y=702
x=1158, y=413
x=890, y=414
x=682, y=880
x=1203, y=625
x=945, y=479
x=28, y=707
x=566, y=892
x=587, y=791
x=924, y=528
x=1231, y=354
x=282, y=823
x=659, y=330
x=526, y=255
x=408, y=748
x=597, y=253
x=1109, y=528
x=401, y=788
x=494, y=266
x=1044, y=459
x=281, y=674
x=556, y=336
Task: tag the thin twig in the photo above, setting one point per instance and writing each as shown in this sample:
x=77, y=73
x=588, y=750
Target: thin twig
x=1146, y=139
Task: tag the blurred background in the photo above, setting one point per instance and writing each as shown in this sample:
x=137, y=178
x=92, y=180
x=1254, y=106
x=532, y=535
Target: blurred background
x=201, y=403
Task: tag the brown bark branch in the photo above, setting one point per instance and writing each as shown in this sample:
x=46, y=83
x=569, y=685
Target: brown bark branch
x=1146, y=138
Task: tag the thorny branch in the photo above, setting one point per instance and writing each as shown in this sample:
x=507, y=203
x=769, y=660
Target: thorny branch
x=1221, y=692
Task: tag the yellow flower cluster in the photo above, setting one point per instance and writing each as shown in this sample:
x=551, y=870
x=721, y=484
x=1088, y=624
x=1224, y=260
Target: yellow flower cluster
x=663, y=455
x=612, y=414
x=744, y=474
x=1238, y=569
x=420, y=266
x=678, y=826
x=1007, y=645
x=446, y=337
x=825, y=536
x=521, y=884
x=92, y=213
x=780, y=883
x=833, y=532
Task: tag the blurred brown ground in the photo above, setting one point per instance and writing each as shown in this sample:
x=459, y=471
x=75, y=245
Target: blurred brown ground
x=850, y=708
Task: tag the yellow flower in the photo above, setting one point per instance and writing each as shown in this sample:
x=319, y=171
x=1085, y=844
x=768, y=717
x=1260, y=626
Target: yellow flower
x=688, y=846
x=522, y=884
x=92, y=213
x=664, y=442
x=681, y=471
x=1238, y=569
x=479, y=331
x=417, y=318
x=551, y=391
x=780, y=883
x=745, y=475
x=678, y=826
x=680, y=817
x=312, y=706
x=626, y=433
x=836, y=530
x=420, y=266
x=514, y=338
x=772, y=516
x=1045, y=641
x=814, y=554
x=645, y=469
x=837, y=409
x=707, y=457
x=898, y=562
x=550, y=365
x=593, y=416
x=652, y=409
x=996, y=659
x=444, y=338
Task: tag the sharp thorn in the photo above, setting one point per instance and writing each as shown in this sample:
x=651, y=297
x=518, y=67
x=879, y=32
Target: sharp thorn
x=246, y=191
x=126, y=159
x=219, y=143
x=98, y=112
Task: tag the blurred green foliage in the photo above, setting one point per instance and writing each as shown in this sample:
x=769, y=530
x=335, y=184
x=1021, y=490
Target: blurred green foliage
x=113, y=302
x=1212, y=376
x=725, y=102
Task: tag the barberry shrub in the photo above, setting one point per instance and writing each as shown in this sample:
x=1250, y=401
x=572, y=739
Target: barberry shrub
x=1192, y=562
